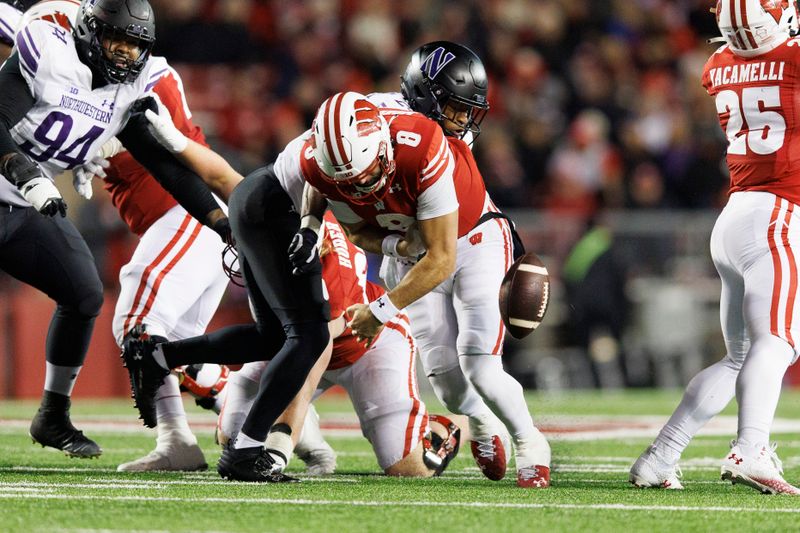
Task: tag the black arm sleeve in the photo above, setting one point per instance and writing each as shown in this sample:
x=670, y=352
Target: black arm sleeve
x=183, y=184
x=15, y=103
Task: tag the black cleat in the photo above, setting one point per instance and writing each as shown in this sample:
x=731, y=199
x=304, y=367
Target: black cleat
x=146, y=375
x=250, y=464
x=52, y=427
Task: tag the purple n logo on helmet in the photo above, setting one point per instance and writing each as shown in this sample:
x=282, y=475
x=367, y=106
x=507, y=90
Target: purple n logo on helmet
x=436, y=61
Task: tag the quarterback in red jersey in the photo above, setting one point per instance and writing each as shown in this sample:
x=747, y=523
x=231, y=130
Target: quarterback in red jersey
x=754, y=79
x=380, y=380
x=401, y=188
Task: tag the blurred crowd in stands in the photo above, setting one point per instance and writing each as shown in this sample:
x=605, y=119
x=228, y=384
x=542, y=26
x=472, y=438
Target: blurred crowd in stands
x=593, y=102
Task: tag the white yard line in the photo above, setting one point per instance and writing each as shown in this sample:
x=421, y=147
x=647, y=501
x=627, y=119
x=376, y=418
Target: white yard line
x=414, y=504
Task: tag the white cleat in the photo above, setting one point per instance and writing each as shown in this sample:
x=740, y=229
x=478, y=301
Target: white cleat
x=320, y=461
x=763, y=471
x=312, y=449
x=176, y=457
x=651, y=472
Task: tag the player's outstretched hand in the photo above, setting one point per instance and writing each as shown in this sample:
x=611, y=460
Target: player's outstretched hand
x=82, y=175
x=163, y=129
x=303, y=251
x=43, y=195
x=363, y=323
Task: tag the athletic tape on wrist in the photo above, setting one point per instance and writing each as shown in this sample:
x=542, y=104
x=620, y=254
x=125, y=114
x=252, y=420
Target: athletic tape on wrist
x=311, y=222
x=383, y=309
x=389, y=245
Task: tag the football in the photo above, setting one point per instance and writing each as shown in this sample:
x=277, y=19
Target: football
x=524, y=295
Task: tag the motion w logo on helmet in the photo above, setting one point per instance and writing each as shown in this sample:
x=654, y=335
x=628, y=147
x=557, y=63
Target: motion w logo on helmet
x=435, y=62
x=367, y=121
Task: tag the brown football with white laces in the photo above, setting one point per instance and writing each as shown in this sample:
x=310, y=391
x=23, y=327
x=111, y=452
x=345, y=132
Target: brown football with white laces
x=524, y=295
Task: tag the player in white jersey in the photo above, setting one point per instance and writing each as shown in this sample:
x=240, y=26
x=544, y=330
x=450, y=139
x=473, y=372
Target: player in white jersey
x=64, y=94
x=10, y=15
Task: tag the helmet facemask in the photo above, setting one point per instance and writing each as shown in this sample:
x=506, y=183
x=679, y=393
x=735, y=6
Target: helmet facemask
x=118, y=68
x=103, y=25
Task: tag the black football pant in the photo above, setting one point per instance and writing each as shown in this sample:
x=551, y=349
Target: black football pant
x=49, y=254
x=291, y=312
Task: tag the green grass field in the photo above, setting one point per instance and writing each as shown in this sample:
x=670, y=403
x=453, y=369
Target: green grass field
x=599, y=436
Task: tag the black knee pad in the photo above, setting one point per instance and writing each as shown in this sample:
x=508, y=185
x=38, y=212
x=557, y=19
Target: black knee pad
x=308, y=338
x=91, y=302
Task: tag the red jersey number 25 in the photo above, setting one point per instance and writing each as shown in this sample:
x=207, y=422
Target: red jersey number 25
x=759, y=108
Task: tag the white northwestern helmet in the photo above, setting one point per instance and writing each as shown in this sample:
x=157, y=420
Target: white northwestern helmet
x=351, y=141
x=754, y=27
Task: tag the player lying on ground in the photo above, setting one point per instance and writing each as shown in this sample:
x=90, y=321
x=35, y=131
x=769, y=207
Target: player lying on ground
x=381, y=379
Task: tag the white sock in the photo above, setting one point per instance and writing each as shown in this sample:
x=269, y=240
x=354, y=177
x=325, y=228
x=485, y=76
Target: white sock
x=158, y=355
x=706, y=395
x=240, y=395
x=458, y=396
x=310, y=435
x=60, y=379
x=532, y=451
x=243, y=441
x=172, y=426
x=169, y=403
x=758, y=389
x=501, y=392
x=278, y=441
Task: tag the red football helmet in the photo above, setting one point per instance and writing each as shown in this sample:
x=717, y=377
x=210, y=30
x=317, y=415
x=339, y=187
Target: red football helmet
x=754, y=27
x=353, y=147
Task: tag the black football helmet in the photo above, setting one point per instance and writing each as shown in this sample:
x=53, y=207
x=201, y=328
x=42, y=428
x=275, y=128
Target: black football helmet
x=442, y=73
x=131, y=20
x=21, y=5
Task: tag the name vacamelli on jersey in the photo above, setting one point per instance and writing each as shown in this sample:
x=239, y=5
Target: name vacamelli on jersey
x=747, y=73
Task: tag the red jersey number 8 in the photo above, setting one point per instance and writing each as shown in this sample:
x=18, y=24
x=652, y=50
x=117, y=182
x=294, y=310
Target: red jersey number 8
x=759, y=108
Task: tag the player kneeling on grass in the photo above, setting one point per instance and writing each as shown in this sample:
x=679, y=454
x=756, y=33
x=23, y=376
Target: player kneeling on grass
x=380, y=379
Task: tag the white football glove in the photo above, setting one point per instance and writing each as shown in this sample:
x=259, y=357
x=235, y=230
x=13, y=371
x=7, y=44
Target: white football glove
x=43, y=195
x=82, y=175
x=164, y=130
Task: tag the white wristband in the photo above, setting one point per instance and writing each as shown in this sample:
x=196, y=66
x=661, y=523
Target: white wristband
x=389, y=245
x=383, y=309
x=310, y=221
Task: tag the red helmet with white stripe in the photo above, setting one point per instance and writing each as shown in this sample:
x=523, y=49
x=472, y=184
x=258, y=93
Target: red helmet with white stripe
x=754, y=27
x=353, y=147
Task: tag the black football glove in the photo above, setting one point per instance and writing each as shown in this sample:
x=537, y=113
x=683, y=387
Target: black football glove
x=223, y=229
x=303, y=252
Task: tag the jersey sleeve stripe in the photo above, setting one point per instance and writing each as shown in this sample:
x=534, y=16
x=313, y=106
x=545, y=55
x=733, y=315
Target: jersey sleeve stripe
x=6, y=32
x=33, y=44
x=25, y=54
x=439, y=153
x=445, y=166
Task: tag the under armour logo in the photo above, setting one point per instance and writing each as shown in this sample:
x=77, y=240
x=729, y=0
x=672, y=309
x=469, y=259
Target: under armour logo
x=381, y=303
x=379, y=205
x=137, y=357
x=435, y=62
x=395, y=188
x=737, y=460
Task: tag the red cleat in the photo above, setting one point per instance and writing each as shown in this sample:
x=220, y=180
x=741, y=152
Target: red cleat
x=533, y=477
x=490, y=455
